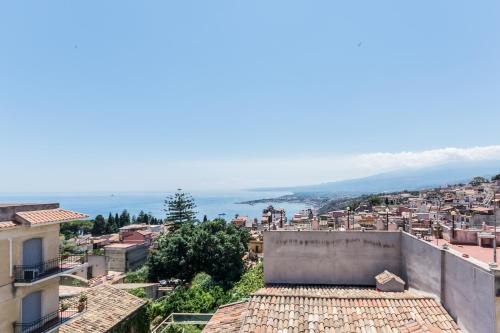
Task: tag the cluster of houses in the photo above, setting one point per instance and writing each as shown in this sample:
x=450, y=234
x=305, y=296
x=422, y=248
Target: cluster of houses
x=431, y=269
x=462, y=215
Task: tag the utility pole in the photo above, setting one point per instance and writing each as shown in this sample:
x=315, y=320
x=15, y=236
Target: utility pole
x=495, y=203
x=387, y=219
x=453, y=213
x=348, y=213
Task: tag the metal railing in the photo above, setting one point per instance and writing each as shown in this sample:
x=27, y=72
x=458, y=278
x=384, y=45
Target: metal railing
x=49, y=321
x=182, y=319
x=31, y=273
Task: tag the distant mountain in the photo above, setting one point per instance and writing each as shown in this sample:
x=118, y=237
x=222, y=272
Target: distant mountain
x=411, y=179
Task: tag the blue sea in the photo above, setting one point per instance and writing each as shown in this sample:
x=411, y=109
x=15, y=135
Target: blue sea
x=211, y=204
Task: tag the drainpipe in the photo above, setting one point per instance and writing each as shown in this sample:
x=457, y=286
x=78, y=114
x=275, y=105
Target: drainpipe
x=10, y=257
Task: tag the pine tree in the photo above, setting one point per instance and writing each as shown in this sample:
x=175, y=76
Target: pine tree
x=180, y=208
x=99, y=227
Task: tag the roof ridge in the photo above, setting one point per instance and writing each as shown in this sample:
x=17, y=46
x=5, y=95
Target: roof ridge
x=234, y=303
x=382, y=296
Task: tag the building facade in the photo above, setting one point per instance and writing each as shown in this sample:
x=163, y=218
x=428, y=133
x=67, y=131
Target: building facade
x=30, y=266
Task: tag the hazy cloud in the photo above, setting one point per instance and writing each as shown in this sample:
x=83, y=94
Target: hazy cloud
x=164, y=175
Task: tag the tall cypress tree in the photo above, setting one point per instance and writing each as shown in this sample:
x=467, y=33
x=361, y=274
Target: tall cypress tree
x=111, y=225
x=99, y=227
x=180, y=208
x=124, y=218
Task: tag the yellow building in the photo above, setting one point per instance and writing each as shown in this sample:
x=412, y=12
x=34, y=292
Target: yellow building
x=30, y=266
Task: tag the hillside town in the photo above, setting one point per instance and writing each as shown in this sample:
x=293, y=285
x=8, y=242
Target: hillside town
x=378, y=265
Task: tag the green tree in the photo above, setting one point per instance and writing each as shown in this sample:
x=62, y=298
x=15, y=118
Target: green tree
x=111, y=225
x=124, y=219
x=180, y=208
x=478, y=180
x=75, y=228
x=172, y=255
x=99, y=227
x=250, y=282
x=214, y=247
x=217, y=250
x=138, y=292
x=496, y=177
x=374, y=200
x=137, y=276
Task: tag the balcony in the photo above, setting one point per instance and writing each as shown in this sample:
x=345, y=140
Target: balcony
x=51, y=321
x=29, y=274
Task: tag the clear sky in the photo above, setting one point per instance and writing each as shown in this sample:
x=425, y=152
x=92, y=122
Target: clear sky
x=153, y=95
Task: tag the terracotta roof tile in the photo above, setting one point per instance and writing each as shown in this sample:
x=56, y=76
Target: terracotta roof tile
x=106, y=307
x=57, y=215
x=331, y=309
x=227, y=319
x=8, y=225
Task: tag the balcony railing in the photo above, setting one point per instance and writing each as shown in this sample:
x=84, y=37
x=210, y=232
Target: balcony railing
x=32, y=273
x=51, y=320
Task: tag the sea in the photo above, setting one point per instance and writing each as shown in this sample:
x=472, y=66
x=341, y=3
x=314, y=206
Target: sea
x=212, y=204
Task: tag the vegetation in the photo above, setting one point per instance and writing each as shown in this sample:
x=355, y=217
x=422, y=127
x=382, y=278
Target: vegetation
x=251, y=281
x=184, y=329
x=99, y=227
x=138, y=292
x=102, y=226
x=74, y=228
x=205, y=295
x=67, y=248
x=374, y=200
x=214, y=247
x=496, y=177
x=139, y=323
x=137, y=276
x=146, y=218
x=478, y=180
x=180, y=208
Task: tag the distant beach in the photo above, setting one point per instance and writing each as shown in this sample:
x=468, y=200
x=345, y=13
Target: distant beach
x=212, y=204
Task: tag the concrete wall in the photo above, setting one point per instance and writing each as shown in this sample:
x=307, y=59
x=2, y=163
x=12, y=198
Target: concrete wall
x=468, y=294
x=318, y=257
x=466, y=288
x=421, y=264
x=125, y=259
x=98, y=264
x=136, y=257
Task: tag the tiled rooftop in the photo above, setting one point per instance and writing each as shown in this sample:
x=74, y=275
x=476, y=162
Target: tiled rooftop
x=228, y=318
x=106, y=307
x=7, y=225
x=57, y=215
x=329, y=309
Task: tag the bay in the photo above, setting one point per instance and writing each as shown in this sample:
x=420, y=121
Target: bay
x=212, y=204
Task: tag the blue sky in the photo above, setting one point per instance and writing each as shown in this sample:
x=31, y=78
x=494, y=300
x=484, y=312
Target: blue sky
x=98, y=95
